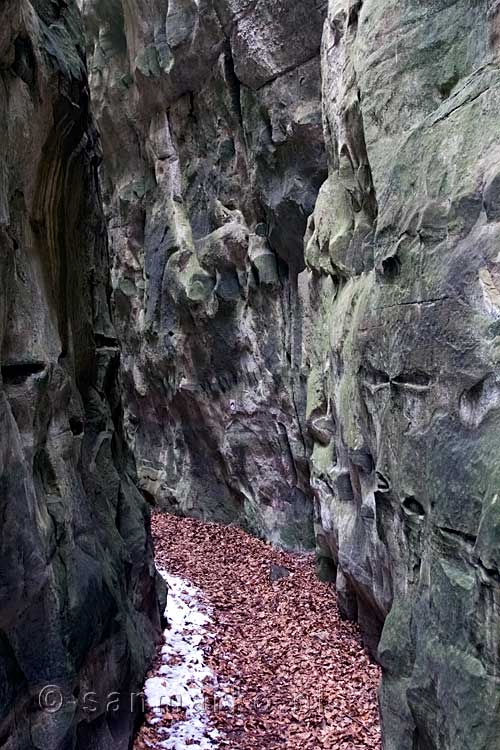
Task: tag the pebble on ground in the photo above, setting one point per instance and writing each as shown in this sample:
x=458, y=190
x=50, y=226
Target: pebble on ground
x=297, y=674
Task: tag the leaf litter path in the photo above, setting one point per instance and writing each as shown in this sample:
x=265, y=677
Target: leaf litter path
x=289, y=672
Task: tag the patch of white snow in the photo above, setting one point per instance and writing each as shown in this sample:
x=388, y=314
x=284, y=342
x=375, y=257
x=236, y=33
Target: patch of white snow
x=179, y=680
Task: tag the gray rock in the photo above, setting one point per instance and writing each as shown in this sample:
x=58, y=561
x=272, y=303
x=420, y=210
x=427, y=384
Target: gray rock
x=78, y=601
x=213, y=158
x=402, y=256
x=278, y=572
x=217, y=158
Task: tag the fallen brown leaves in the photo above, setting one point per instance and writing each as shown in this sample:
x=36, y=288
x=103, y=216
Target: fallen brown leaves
x=299, y=675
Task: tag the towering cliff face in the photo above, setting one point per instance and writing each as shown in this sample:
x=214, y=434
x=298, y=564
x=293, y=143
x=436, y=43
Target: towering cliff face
x=78, y=607
x=210, y=115
x=214, y=154
x=404, y=315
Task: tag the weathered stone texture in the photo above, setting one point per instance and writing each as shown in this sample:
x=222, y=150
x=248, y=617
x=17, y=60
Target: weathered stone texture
x=213, y=156
x=78, y=607
x=404, y=311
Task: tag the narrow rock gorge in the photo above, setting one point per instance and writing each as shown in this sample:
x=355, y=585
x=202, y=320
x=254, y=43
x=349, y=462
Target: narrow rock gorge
x=250, y=274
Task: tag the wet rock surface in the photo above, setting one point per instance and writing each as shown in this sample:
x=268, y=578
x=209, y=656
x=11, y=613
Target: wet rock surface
x=78, y=602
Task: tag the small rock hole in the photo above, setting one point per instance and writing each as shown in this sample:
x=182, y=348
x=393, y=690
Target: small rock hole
x=19, y=372
x=391, y=267
x=415, y=378
x=76, y=426
x=412, y=507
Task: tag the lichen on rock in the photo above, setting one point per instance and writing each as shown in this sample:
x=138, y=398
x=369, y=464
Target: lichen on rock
x=401, y=257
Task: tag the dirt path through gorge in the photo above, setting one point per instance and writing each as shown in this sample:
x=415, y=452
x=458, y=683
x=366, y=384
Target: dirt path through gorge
x=257, y=656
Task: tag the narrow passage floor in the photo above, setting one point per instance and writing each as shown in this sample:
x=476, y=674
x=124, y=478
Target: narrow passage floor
x=256, y=640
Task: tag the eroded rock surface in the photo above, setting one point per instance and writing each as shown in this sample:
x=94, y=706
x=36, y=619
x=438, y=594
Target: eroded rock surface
x=404, y=316
x=78, y=606
x=214, y=154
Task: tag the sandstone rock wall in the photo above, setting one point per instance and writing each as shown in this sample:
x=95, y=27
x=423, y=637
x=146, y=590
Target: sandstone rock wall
x=214, y=150
x=402, y=336
x=213, y=156
x=78, y=606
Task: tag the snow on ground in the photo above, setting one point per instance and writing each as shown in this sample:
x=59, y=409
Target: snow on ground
x=298, y=674
x=178, y=682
